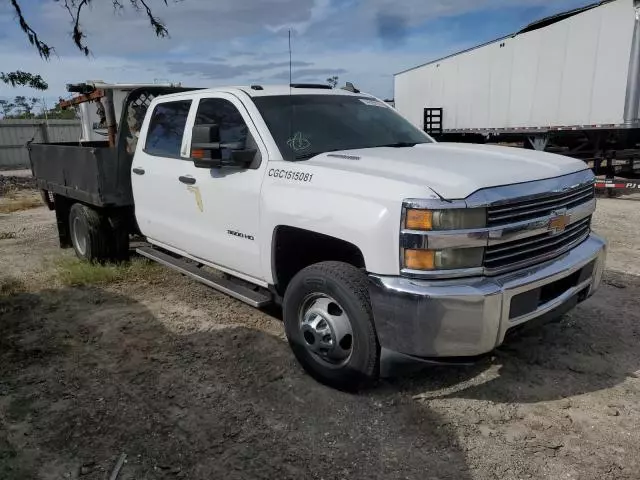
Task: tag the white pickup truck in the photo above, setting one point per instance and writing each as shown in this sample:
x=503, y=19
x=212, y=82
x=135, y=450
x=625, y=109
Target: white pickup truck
x=377, y=241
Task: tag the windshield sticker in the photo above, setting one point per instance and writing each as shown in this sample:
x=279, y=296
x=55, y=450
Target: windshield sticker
x=298, y=142
x=372, y=103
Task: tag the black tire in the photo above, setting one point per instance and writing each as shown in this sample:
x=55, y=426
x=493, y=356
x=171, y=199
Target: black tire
x=613, y=193
x=89, y=234
x=347, y=285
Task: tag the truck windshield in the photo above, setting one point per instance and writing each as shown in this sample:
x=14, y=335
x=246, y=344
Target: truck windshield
x=306, y=125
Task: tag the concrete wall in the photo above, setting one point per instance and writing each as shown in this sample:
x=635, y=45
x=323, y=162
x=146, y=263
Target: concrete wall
x=14, y=134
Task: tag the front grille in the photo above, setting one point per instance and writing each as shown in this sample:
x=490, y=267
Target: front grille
x=518, y=211
x=512, y=255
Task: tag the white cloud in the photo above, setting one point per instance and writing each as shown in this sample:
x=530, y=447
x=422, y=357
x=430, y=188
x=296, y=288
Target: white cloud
x=230, y=41
x=321, y=10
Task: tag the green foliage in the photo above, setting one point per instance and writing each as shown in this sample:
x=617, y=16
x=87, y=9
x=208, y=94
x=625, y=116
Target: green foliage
x=57, y=113
x=24, y=79
x=74, y=272
x=6, y=108
x=25, y=108
x=25, y=105
x=21, y=107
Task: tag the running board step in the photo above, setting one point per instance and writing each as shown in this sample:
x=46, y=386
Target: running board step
x=240, y=292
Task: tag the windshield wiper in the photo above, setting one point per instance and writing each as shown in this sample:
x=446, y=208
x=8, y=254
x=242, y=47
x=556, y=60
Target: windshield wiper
x=306, y=156
x=400, y=145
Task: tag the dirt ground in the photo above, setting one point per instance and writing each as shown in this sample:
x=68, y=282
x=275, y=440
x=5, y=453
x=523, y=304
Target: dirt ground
x=189, y=383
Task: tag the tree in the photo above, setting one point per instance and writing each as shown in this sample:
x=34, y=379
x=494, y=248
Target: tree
x=75, y=9
x=24, y=79
x=24, y=106
x=57, y=113
x=21, y=107
x=333, y=81
x=6, y=107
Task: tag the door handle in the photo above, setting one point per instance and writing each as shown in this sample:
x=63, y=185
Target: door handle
x=187, y=180
x=138, y=171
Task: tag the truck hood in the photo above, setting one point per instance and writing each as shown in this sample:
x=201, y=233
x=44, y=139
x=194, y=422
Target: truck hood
x=453, y=170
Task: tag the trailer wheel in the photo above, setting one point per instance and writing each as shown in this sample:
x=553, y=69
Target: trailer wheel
x=329, y=324
x=89, y=236
x=613, y=193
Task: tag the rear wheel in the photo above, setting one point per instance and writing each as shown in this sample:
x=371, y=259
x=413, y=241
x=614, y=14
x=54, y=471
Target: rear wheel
x=329, y=325
x=89, y=234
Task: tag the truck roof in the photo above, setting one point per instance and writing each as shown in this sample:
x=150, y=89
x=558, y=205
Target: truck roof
x=271, y=90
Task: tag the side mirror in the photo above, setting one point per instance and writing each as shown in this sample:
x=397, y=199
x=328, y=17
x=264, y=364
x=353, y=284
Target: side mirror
x=206, y=149
x=205, y=146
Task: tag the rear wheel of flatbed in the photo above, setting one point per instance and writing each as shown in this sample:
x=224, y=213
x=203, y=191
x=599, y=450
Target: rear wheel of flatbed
x=90, y=234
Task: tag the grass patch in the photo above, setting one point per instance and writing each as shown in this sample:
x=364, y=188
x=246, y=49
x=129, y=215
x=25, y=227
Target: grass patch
x=11, y=286
x=16, y=201
x=74, y=272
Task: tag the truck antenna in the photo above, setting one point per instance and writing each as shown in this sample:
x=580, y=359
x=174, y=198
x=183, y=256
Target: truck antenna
x=290, y=93
x=290, y=68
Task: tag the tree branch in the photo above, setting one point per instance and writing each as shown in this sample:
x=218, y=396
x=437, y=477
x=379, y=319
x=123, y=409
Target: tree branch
x=156, y=23
x=77, y=34
x=75, y=8
x=23, y=79
x=44, y=50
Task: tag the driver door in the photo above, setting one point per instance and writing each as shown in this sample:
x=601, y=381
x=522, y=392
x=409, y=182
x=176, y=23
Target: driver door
x=224, y=215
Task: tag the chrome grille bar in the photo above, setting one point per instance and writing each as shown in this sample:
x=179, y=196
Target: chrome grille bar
x=518, y=211
x=507, y=256
x=530, y=241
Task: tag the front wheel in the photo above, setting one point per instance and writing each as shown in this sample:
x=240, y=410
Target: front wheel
x=329, y=325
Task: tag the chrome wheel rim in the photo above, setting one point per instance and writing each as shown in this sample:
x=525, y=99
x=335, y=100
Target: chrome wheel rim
x=79, y=236
x=326, y=330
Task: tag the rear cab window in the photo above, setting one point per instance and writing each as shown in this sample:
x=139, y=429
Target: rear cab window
x=166, y=129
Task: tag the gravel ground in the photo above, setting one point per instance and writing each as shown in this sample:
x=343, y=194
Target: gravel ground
x=618, y=219
x=9, y=183
x=192, y=384
x=22, y=172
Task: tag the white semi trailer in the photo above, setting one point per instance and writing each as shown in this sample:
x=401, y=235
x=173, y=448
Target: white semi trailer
x=569, y=84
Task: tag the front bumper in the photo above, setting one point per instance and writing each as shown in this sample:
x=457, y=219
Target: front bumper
x=470, y=317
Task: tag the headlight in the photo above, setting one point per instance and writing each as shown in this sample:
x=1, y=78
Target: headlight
x=452, y=219
x=448, y=259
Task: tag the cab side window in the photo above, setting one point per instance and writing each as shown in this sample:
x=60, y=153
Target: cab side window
x=233, y=130
x=166, y=128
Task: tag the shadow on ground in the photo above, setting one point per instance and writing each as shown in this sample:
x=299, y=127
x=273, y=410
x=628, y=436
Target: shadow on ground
x=86, y=374
x=593, y=348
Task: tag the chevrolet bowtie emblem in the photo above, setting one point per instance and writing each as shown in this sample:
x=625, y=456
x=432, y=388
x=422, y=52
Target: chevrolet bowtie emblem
x=559, y=221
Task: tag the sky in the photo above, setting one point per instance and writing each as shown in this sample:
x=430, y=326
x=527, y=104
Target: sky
x=240, y=42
